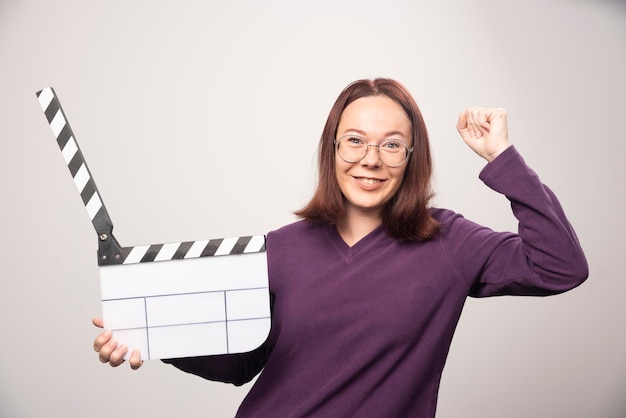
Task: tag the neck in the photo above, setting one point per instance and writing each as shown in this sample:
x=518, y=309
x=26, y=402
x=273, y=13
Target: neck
x=354, y=226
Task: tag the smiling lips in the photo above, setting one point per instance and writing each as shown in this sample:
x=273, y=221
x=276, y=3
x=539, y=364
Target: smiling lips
x=368, y=180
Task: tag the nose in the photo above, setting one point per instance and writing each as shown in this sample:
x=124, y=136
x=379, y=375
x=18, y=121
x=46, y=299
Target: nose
x=372, y=158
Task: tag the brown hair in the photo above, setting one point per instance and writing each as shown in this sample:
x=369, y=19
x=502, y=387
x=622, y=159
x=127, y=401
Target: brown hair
x=406, y=215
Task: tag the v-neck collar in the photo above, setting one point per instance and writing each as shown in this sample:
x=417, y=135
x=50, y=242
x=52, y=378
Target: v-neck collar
x=352, y=251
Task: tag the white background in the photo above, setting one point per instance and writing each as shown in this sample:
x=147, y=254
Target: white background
x=200, y=120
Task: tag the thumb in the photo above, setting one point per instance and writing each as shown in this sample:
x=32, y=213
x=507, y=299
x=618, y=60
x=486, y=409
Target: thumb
x=463, y=128
x=462, y=122
x=98, y=322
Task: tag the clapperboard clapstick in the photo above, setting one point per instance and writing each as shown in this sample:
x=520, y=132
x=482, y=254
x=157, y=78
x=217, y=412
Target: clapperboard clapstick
x=171, y=300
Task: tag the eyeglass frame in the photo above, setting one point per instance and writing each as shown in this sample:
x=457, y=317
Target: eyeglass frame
x=409, y=150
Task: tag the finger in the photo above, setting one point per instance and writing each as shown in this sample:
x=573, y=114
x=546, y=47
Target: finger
x=135, y=360
x=461, y=123
x=101, y=340
x=98, y=322
x=117, y=356
x=484, y=121
x=474, y=122
x=481, y=124
x=106, y=350
x=462, y=127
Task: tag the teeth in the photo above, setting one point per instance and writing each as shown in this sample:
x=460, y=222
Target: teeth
x=368, y=180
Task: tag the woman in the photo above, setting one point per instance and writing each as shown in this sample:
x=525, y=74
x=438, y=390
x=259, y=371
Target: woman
x=368, y=288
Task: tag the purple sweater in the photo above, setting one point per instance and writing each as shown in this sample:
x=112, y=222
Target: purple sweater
x=364, y=331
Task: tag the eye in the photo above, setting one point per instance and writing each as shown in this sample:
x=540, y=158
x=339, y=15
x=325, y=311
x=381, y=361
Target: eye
x=392, y=145
x=355, y=141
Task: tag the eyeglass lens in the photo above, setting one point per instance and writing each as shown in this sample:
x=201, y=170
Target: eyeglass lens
x=392, y=152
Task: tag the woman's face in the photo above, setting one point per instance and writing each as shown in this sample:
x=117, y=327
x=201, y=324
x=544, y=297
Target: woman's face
x=367, y=185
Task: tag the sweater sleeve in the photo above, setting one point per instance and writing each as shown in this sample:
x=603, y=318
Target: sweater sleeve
x=543, y=258
x=237, y=369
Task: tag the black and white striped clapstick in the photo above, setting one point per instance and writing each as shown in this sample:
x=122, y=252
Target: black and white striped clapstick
x=177, y=299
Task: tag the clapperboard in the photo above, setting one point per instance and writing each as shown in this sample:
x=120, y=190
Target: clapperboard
x=171, y=300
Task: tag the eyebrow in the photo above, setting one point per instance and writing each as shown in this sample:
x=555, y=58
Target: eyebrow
x=362, y=133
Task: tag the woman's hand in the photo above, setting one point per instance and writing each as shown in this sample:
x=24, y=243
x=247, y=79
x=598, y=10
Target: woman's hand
x=109, y=350
x=484, y=130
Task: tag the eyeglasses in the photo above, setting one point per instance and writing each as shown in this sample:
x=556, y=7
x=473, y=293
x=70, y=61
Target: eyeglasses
x=353, y=148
